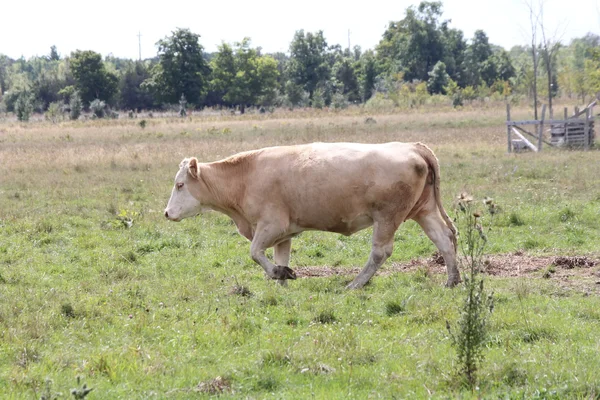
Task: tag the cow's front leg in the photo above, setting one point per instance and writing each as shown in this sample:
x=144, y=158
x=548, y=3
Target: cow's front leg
x=383, y=245
x=265, y=236
x=281, y=255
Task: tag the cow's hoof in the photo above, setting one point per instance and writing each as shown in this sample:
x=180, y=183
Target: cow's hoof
x=452, y=282
x=283, y=272
x=354, y=285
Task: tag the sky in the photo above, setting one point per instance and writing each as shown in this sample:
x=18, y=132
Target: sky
x=30, y=28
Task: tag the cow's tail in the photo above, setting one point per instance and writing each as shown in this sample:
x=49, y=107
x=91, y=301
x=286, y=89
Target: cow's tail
x=434, y=168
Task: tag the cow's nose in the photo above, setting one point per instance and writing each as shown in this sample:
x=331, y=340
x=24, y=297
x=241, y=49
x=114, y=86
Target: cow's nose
x=166, y=214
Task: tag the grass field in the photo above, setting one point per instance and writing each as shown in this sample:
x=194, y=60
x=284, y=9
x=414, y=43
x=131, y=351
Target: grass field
x=96, y=283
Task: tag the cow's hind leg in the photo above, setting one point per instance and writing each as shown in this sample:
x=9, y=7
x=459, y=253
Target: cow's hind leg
x=442, y=236
x=265, y=236
x=281, y=255
x=382, y=247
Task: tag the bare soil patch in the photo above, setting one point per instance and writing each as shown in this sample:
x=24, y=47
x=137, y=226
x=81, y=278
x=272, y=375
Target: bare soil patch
x=578, y=272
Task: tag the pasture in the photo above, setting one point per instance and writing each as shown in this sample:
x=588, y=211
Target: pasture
x=96, y=283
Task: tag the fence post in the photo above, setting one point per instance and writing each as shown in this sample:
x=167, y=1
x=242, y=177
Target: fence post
x=508, y=131
x=586, y=130
x=541, y=128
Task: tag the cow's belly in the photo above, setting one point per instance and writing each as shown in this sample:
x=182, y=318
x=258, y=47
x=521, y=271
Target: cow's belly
x=345, y=226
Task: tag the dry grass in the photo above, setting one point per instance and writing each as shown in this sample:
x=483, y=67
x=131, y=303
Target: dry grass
x=166, y=141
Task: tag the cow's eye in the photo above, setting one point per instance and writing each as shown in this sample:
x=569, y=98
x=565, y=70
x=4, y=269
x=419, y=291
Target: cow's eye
x=179, y=185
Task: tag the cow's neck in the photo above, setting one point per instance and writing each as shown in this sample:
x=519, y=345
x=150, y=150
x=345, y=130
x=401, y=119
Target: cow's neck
x=223, y=191
x=225, y=186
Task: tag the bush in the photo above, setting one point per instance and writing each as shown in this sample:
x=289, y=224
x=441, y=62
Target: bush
x=295, y=95
x=54, y=112
x=318, y=100
x=98, y=108
x=379, y=102
x=23, y=106
x=339, y=101
x=75, y=106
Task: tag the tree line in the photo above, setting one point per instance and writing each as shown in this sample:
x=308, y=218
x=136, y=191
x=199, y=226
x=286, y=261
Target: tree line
x=418, y=57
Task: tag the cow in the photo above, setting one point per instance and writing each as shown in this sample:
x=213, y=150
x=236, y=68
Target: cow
x=275, y=193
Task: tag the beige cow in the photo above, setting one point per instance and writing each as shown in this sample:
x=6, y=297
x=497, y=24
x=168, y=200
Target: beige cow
x=275, y=193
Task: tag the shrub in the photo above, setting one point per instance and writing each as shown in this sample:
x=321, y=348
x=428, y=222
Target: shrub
x=98, y=108
x=318, y=100
x=339, y=101
x=379, y=102
x=182, y=106
x=23, y=106
x=75, y=105
x=54, y=112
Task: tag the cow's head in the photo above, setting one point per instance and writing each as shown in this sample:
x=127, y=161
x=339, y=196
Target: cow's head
x=183, y=203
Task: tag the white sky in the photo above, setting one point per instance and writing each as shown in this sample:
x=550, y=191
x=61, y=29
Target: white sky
x=30, y=27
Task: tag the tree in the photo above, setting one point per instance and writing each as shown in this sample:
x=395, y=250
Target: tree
x=413, y=45
x=308, y=65
x=132, y=96
x=455, y=47
x=92, y=80
x=550, y=47
x=438, y=79
x=534, y=16
x=75, y=106
x=478, y=66
x=4, y=67
x=181, y=69
x=53, y=54
x=243, y=75
x=367, y=74
x=344, y=71
x=23, y=106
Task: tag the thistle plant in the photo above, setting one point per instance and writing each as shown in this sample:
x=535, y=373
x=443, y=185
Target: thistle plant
x=471, y=331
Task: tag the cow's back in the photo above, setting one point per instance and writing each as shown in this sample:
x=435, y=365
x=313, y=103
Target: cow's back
x=325, y=185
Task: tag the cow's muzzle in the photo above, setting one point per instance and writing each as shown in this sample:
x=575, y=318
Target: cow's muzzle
x=171, y=218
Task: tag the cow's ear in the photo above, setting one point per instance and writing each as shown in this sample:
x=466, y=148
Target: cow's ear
x=193, y=168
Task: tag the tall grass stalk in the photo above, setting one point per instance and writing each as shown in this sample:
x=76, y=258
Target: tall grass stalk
x=472, y=326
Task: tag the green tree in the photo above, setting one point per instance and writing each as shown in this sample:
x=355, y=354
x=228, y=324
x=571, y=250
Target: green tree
x=54, y=56
x=92, y=80
x=132, y=96
x=592, y=69
x=478, y=66
x=367, y=74
x=413, y=45
x=23, y=106
x=309, y=61
x=4, y=70
x=181, y=69
x=455, y=47
x=75, y=105
x=438, y=79
x=295, y=95
x=242, y=75
x=344, y=71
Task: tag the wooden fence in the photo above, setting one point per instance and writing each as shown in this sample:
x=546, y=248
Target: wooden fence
x=573, y=131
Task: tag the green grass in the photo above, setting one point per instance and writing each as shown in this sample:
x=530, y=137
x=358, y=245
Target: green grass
x=94, y=282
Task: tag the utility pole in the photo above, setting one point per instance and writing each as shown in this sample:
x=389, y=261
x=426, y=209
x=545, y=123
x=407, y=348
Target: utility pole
x=139, y=35
x=348, y=40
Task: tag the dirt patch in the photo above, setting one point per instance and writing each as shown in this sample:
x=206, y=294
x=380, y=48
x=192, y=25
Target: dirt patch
x=572, y=262
x=580, y=272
